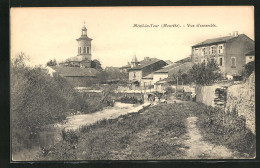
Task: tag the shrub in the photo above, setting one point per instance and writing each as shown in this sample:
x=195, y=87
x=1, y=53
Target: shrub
x=205, y=73
x=37, y=100
x=249, y=68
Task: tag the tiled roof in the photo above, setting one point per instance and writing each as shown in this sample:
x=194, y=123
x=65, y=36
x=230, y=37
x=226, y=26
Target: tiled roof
x=169, y=62
x=215, y=40
x=166, y=68
x=150, y=76
x=145, y=63
x=187, y=59
x=75, y=71
x=175, y=68
x=126, y=66
x=250, y=53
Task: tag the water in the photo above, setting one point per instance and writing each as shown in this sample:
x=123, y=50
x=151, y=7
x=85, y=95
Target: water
x=53, y=133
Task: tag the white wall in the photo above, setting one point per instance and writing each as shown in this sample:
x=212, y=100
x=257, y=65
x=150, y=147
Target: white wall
x=159, y=76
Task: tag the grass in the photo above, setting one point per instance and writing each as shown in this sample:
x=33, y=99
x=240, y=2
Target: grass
x=135, y=136
x=231, y=132
x=155, y=133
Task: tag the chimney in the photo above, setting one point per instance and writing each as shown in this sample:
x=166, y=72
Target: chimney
x=146, y=58
x=235, y=33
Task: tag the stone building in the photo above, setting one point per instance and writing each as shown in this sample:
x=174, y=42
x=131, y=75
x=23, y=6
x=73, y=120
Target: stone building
x=229, y=52
x=143, y=68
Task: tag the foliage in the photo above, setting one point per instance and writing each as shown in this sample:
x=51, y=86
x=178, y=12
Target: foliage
x=169, y=90
x=96, y=64
x=183, y=78
x=52, y=63
x=121, y=138
x=227, y=129
x=70, y=136
x=248, y=69
x=205, y=73
x=37, y=100
x=107, y=76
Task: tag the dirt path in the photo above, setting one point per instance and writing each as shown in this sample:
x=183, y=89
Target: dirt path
x=199, y=149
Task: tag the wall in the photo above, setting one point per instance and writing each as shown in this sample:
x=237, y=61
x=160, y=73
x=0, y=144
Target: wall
x=206, y=94
x=138, y=75
x=250, y=58
x=237, y=48
x=242, y=97
x=159, y=76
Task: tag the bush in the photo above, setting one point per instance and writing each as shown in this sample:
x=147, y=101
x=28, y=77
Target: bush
x=249, y=68
x=205, y=73
x=37, y=100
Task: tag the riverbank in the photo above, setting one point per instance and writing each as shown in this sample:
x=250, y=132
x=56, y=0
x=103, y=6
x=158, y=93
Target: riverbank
x=164, y=131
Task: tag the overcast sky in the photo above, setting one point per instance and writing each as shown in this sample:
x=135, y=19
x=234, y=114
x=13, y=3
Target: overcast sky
x=48, y=33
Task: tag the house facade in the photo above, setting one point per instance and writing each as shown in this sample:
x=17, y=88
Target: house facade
x=229, y=52
x=144, y=68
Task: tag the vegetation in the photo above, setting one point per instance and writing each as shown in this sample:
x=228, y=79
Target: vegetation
x=152, y=135
x=96, y=64
x=249, y=68
x=52, y=63
x=226, y=129
x=205, y=73
x=159, y=131
x=37, y=100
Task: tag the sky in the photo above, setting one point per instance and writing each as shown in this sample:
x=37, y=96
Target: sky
x=48, y=33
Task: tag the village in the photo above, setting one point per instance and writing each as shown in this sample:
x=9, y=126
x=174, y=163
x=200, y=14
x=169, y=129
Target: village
x=188, y=109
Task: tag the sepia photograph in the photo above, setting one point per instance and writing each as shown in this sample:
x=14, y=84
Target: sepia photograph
x=132, y=83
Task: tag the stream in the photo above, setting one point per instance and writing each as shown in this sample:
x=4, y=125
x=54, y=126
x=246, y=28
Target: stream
x=53, y=134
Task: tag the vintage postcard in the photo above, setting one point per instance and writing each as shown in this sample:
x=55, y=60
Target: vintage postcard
x=132, y=83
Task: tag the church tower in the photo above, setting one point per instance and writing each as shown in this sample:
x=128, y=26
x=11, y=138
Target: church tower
x=84, y=44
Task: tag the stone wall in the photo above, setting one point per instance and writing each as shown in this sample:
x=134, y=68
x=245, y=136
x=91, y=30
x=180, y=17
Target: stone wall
x=242, y=98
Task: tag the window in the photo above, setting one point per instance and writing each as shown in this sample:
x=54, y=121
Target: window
x=80, y=50
x=220, y=49
x=213, y=50
x=88, y=50
x=84, y=50
x=220, y=61
x=250, y=57
x=203, y=51
x=233, y=62
x=134, y=75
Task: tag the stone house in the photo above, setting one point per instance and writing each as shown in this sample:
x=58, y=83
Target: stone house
x=229, y=52
x=145, y=67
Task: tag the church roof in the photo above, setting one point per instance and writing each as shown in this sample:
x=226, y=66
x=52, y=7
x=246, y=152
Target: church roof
x=75, y=71
x=84, y=37
x=79, y=58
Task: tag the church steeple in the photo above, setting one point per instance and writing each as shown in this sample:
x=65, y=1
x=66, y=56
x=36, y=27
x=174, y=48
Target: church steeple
x=84, y=44
x=84, y=30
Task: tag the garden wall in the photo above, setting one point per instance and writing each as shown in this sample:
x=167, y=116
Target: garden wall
x=242, y=98
x=206, y=94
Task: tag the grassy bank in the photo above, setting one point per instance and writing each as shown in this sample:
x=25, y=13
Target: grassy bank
x=225, y=129
x=152, y=134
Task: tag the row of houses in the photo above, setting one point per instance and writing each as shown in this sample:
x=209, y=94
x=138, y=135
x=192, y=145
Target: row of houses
x=231, y=53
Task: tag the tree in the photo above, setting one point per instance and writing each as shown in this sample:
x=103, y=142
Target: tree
x=52, y=63
x=96, y=64
x=249, y=68
x=205, y=73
